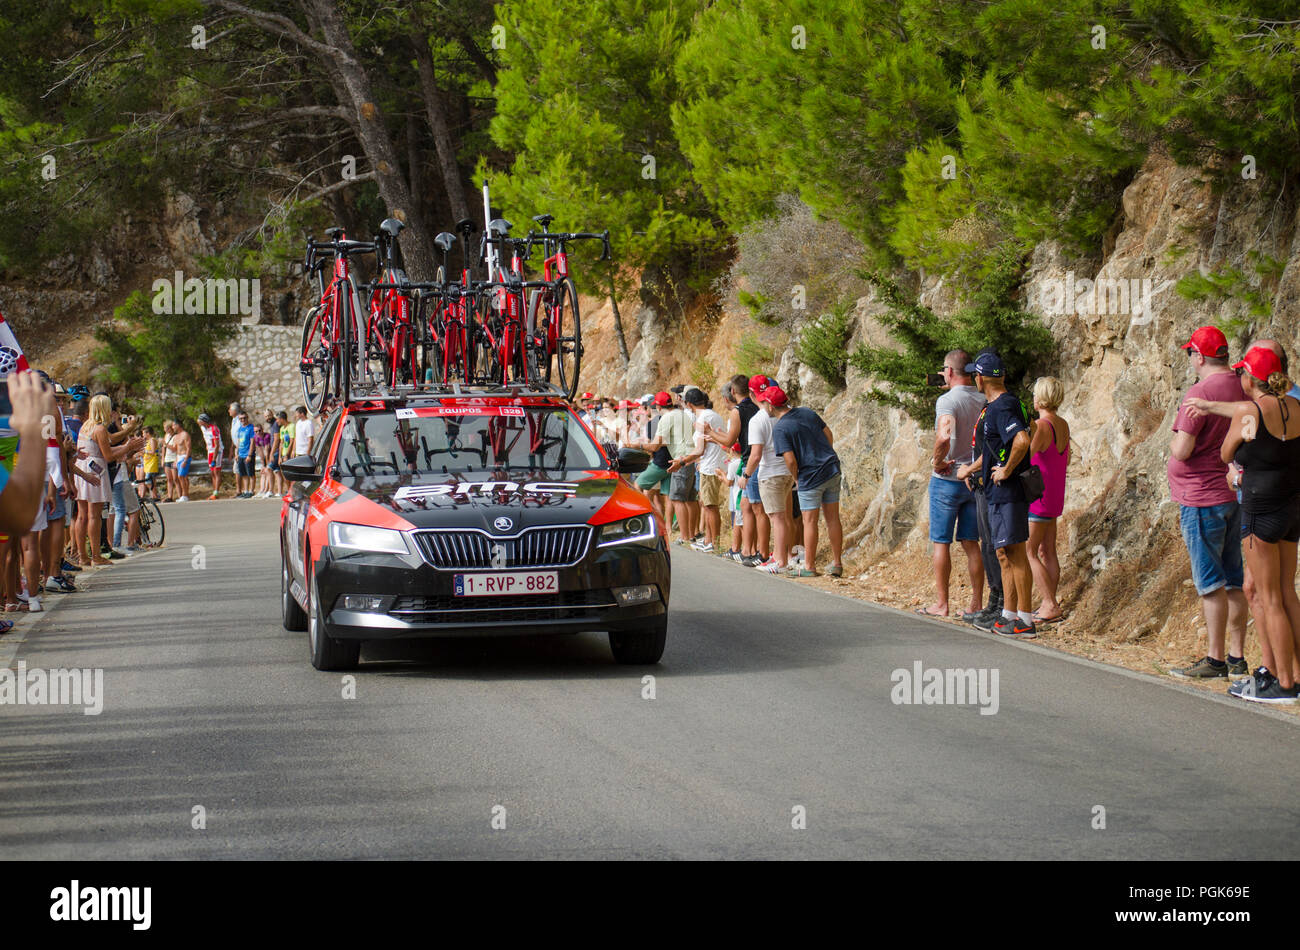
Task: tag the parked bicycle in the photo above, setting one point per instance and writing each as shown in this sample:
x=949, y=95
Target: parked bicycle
x=333, y=340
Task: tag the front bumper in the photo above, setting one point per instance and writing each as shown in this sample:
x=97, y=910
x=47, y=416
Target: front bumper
x=418, y=599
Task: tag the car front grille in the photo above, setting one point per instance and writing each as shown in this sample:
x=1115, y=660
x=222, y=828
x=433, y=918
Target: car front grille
x=468, y=549
x=526, y=608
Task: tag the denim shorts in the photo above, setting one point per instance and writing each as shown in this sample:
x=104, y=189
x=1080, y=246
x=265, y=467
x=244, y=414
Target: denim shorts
x=751, y=490
x=952, y=508
x=827, y=493
x=1213, y=539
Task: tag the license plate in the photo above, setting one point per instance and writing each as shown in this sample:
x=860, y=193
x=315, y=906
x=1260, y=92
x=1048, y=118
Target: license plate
x=506, y=583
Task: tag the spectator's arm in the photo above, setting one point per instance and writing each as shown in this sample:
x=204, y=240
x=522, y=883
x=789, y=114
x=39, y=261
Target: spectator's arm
x=1209, y=407
x=830, y=438
x=942, y=439
x=1019, y=449
x=728, y=438
x=755, y=454
x=1042, y=438
x=792, y=465
x=1236, y=435
x=32, y=400
x=1182, y=445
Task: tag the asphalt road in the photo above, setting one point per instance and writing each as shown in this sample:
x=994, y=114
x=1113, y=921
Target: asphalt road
x=771, y=698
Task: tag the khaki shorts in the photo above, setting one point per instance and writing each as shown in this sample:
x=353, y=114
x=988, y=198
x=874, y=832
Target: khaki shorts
x=713, y=491
x=775, y=493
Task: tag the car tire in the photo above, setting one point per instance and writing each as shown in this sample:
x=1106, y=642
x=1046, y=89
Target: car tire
x=642, y=646
x=295, y=618
x=327, y=653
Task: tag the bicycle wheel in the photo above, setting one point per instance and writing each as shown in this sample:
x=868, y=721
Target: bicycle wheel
x=567, y=332
x=151, y=523
x=317, y=363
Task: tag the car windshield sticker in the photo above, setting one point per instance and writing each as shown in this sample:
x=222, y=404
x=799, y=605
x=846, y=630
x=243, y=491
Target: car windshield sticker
x=486, y=488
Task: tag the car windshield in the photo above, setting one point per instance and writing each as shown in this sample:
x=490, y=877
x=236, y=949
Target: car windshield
x=444, y=440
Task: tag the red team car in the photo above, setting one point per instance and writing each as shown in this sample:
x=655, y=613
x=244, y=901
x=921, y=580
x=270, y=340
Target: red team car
x=474, y=513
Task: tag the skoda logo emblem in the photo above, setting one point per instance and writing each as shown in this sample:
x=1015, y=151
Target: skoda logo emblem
x=503, y=524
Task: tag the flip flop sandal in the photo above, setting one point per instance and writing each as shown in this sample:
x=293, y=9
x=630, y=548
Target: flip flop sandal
x=6, y=626
x=11, y=608
x=925, y=612
x=1057, y=619
x=804, y=572
x=836, y=571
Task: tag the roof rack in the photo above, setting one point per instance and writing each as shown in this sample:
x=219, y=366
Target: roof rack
x=403, y=393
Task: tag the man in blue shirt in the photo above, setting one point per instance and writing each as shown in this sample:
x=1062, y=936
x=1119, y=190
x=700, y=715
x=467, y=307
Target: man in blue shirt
x=1006, y=456
x=808, y=446
x=244, y=457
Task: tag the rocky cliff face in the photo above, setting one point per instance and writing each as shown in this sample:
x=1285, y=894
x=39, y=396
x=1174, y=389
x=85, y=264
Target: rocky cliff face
x=1118, y=336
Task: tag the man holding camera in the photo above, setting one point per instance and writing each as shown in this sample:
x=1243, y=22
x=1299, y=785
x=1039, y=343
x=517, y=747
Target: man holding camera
x=952, y=503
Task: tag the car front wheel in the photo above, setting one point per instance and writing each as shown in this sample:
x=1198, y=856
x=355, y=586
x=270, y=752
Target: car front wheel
x=327, y=653
x=642, y=646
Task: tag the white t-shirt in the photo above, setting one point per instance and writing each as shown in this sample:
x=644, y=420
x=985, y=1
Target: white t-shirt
x=770, y=465
x=211, y=437
x=302, y=433
x=714, y=459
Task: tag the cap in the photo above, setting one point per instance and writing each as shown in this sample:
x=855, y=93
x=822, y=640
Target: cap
x=588, y=396
x=758, y=383
x=987, y=363
x=663, y=399
x=1261, y=362
x=1208, y=341
x=204, y=417
x=694, y=396
x=773, y=394
x=678, y=389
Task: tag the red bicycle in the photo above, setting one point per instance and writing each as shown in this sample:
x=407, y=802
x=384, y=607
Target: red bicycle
x=333, y=342
x=554, y=325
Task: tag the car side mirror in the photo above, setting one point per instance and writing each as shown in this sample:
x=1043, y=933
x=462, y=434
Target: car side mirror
x=611, y=453
x=632, y=461
x=300, y=468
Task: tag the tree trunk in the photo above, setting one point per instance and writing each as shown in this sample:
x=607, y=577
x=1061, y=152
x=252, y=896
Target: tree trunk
x=441, y=127
x=357, y=93
x=618, y=319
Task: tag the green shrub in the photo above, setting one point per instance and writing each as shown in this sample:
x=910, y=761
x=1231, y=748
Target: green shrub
x=753, y=356
x=991, y=319
x=823, y=344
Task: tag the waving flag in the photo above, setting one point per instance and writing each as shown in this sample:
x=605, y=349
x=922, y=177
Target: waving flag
x=11, y=354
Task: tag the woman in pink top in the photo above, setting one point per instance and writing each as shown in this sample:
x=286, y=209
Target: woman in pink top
x=1050, y=451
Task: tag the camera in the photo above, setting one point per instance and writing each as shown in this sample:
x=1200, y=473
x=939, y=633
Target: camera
x=934, y=379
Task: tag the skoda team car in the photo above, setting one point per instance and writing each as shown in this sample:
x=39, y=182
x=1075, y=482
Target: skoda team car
x=478, y=513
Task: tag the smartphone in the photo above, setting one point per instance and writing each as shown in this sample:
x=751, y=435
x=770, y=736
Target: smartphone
x=934, y=379
x=95, y=467
x=6, y=407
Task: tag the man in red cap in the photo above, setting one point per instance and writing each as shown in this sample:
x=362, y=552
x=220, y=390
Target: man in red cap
x=1209, y=514
x=774, y=478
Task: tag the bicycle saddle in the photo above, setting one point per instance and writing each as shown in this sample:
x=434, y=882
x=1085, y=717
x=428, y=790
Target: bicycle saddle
x=391, y=226
x=544, y=219
x=499, y=226
x=466, y=226
x=444, y=241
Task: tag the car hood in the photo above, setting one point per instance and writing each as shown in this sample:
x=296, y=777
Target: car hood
x=478, y=501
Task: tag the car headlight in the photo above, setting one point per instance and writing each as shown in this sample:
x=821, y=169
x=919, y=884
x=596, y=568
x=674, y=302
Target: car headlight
x=360, y=537
x=640, y=530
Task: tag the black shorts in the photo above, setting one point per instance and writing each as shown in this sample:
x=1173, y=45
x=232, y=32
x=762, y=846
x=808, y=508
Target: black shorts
x=1009, y=523
x=1279, y=524
x=244, y=467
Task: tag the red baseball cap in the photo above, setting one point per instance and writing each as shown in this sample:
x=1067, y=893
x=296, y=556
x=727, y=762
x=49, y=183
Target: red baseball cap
x=758, y=383
x=588, y=396
x=1261, y=362
x=1208, y=341
x=773, y=394
x=663, y=399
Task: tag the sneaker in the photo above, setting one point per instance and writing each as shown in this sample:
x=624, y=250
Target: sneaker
x=68, y=567
x=731, y=554
x=770, y=567
x=698, y=537
x=1202, y=669
x=183, y=498
x=34, y=605
x=1003, y=626
x=1275, y=694
x=972, y=616
x=132, y=549
x=1238, y=667
x=1252, y=684
x=59, y=585
x=751, y=560
x=703, y=547
x=987, y=618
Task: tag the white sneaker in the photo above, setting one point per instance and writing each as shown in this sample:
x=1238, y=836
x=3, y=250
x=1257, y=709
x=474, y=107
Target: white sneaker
x=183, y=498
x=34, y=605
